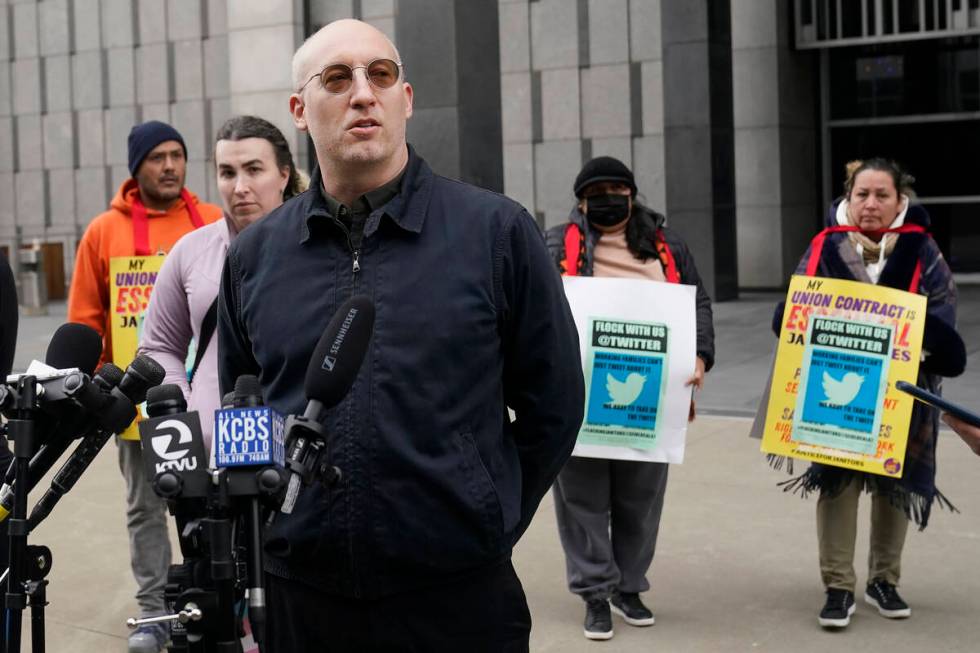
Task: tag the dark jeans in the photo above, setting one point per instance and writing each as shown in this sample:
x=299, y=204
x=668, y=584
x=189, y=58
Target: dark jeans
x=482, y=612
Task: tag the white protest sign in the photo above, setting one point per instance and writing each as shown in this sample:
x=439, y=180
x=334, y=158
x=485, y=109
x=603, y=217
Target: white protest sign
x=638, y=342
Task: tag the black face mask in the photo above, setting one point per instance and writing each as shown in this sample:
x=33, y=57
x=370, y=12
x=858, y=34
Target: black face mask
x=607, y=210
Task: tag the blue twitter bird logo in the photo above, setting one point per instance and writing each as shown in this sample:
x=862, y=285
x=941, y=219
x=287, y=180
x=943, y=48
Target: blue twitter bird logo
x=624, y=393
x=841, y=392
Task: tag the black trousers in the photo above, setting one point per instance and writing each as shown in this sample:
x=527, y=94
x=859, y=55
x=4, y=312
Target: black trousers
x=483, y=612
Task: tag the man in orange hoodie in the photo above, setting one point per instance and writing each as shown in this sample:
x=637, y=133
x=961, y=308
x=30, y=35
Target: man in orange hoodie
x=149, y=213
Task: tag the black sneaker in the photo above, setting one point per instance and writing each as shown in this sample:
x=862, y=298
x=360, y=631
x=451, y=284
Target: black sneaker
x=629, y=606
x=883, y=595
x=598, y=620
x=838, y=609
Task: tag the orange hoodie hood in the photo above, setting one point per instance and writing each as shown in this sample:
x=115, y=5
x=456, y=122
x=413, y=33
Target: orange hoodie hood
x=129, y=191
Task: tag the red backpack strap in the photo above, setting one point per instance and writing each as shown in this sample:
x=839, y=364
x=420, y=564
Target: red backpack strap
x=667, y=259
x=916, y=277
x=816, y=247
x=191, y=208
x=141, y=228
x=573, y=249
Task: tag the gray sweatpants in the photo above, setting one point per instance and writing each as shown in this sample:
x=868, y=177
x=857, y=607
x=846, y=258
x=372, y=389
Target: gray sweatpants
x=608, y=518
x=146, y=521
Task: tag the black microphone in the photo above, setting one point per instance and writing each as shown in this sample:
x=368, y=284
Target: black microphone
x=118, y=413
x=173, y=445
x=74, y=345
x=329, y=377
x=114, y=416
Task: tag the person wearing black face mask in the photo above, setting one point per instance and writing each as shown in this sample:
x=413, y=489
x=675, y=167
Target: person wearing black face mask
x=609, y=510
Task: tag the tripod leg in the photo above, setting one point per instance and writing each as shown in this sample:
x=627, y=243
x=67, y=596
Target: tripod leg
x=39, y=598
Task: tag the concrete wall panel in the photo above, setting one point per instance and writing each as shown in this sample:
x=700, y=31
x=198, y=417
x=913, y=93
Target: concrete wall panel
x=606, y=101
x=55, y=30
x=61, y=196
x=515, y=45
x=554, y=34
x=118, y=122
x=609, y=31
x=87, y=28
x=59, y=145
x=188, y=70
x=515, y=95
x=119, y=27
x=31, y=205
x=560, y=104
x=91, y=137
x=30, y=142
x=26, y=41
x=26, y=86
x=122, y=76
x=88, y=80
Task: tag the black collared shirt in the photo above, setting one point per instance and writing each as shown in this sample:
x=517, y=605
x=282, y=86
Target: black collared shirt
x=355, y=216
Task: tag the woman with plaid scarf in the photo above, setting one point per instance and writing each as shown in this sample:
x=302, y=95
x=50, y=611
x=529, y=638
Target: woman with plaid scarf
x=877, y=203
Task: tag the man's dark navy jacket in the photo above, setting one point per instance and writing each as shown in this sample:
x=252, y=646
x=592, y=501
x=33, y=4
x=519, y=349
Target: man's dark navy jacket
x=470, y=318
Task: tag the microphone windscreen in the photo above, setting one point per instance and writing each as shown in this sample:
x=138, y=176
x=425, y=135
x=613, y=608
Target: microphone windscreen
x=165, y=399
x=141, y=375
x=110, y=374
x=247, y=385
x=148, y=369
x=339, y=354
x=74, y=345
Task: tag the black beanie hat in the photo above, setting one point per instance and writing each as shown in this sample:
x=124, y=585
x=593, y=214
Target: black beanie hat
x=604, y=168
x=146, y=136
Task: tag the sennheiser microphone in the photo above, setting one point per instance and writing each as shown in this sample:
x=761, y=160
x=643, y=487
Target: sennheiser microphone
x=173, y=445
x=329, y=377
x=118, y=413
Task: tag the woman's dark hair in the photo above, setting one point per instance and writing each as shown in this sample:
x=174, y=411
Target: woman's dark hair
x=903, y=180
x=242, y=127
x=641, y=232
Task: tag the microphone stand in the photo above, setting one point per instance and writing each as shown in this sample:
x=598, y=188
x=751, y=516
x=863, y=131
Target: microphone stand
x=201, y=597
x=23, y=579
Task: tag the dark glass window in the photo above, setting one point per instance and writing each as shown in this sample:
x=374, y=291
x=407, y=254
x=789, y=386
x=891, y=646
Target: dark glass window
x=918, y=77
x=943, y=156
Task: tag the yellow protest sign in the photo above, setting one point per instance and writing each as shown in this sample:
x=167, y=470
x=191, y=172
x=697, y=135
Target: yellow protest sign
x=131, y=280
x=843, y=346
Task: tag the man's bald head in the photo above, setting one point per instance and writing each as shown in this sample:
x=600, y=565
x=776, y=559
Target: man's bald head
x=306, y=63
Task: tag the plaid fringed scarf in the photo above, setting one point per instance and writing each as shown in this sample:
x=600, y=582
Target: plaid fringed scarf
x=915, y=493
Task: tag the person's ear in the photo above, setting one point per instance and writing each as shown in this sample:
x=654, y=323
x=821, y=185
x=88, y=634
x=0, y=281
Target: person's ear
x=409, y=98
x=298, y=110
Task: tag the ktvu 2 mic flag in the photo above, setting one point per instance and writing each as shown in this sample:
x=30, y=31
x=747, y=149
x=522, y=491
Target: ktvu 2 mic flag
x=173, y=443
x=248, y=436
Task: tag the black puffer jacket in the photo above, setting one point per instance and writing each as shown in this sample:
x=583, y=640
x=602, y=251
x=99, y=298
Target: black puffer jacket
x=649, y=223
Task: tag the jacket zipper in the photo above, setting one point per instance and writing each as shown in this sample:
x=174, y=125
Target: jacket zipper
x=355, y=269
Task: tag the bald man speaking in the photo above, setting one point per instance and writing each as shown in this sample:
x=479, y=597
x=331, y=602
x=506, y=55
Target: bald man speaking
x=411, y=549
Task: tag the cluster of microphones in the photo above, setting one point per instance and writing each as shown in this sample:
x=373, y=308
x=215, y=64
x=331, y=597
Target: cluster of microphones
x=260, y=461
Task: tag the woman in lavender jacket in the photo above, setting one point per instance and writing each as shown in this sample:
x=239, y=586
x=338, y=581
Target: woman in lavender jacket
x=255, y=174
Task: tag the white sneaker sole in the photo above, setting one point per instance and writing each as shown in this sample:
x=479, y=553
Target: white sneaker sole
x=630, y=620
x=838, y=623
x=598, y=636
x=890, y=614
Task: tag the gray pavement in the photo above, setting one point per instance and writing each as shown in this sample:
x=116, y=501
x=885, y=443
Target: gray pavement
x=736, y=566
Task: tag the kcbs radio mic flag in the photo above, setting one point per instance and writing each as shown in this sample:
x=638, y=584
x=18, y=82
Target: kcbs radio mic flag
x=248, y=436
